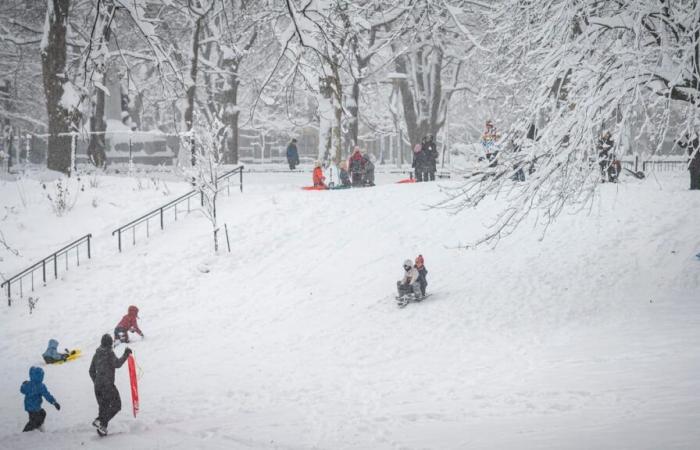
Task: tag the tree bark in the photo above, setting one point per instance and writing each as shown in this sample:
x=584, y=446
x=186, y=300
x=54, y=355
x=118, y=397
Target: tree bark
x=53, y=64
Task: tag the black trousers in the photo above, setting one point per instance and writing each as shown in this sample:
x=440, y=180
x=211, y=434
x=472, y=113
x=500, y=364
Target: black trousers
x=292, y=165
x=419, y=174
x=108, y=401
x=36, y=419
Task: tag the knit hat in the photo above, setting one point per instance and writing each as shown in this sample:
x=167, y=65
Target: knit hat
x=106, y=340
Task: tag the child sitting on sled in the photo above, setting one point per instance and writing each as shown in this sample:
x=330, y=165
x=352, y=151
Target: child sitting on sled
x=319, y=179
x=52, y=355
x=409, y=284
x=128, y=323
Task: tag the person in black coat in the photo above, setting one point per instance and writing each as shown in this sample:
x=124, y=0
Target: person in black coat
x=419, y=160
x=104, y=364
x=692, y=144
x=431, y=157
x=292, y=154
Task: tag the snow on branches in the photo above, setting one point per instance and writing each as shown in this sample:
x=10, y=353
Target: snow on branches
x=571, y=71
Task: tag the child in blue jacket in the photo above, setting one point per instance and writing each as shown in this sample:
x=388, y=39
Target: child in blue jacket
x=33, y=391
x=52, y=355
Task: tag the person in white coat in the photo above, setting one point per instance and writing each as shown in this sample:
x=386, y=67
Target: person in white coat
x=409, y=284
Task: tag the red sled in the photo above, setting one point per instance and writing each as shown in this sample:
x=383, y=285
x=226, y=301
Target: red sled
x=406, y=180
x=134, y=385
x=315, y=188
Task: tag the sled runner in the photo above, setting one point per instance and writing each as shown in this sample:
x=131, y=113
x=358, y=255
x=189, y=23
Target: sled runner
x=134, y=385
x=404, y=300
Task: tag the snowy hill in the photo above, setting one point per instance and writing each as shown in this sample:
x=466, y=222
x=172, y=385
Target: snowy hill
x=586, y=339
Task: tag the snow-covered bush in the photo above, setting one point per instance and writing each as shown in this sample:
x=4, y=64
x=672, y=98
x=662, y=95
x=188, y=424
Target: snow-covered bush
x=62, y=194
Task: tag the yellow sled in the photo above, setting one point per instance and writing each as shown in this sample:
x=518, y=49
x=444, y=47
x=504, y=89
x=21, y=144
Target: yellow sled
x=74, y=354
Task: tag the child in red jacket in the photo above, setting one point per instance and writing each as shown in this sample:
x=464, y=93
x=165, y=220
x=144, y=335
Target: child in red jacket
x=128, y=323
x=319, y=179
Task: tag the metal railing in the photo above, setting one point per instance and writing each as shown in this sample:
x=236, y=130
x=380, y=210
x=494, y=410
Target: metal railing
x=665, y=165
x=51, y=262
x=160, y=212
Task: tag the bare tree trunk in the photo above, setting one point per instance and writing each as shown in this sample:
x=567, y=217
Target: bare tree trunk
x=53, y=63
x=192, y=83
x=98, y=126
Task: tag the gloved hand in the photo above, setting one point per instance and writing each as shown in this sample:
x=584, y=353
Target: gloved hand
x=127, y=351
x=58, y=407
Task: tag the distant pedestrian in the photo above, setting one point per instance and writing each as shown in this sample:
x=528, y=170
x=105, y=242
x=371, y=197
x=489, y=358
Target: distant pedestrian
x=102, y=369
x=292, y=154
x=34, y=391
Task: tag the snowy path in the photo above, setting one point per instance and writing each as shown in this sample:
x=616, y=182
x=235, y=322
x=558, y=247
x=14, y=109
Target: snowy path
x=587, y=339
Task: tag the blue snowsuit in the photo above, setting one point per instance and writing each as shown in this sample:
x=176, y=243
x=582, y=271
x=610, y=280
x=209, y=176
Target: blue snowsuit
x=33, y=391
x=52, y=355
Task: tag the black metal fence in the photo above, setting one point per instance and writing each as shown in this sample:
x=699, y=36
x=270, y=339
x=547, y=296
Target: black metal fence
x=51, y=264
x=163, y=211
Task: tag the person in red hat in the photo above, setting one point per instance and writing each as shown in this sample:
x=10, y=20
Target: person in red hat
x=128, y=323
x=422, y=273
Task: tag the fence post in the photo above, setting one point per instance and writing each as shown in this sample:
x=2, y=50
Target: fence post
x=9, y=293
x=119, y=239
x=161, y=217
x=88, y=239
x=43, y=270
x=241, y=179
x=228, y=243
x=55, y=266
x=636, y=163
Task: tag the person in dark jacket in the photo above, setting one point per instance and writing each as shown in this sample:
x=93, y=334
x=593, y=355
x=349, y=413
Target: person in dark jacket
x=431, y=157
x=102, y=369
x=692, y=143
x=344, y=175
x=128, y=324
x=419, y=160
x=356, y=167
x=422, y=273
x=292, y=154
x=34, y=391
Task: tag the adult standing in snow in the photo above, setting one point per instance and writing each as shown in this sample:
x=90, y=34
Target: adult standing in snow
x=419, y=159
x=369, y=168
x=292, y=154
x=356, y=166
x=431, y=157
x=692, y=144
x=104, y=364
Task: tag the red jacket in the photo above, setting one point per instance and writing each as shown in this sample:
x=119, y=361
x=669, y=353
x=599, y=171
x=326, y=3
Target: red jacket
x=128, y=322
x=318, y=177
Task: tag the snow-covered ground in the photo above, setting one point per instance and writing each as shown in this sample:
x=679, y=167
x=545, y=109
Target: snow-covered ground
x=586, y=339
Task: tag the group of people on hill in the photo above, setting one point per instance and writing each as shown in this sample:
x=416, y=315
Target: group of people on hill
x=357, y=171
x=102, y=368
x=425, y=156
